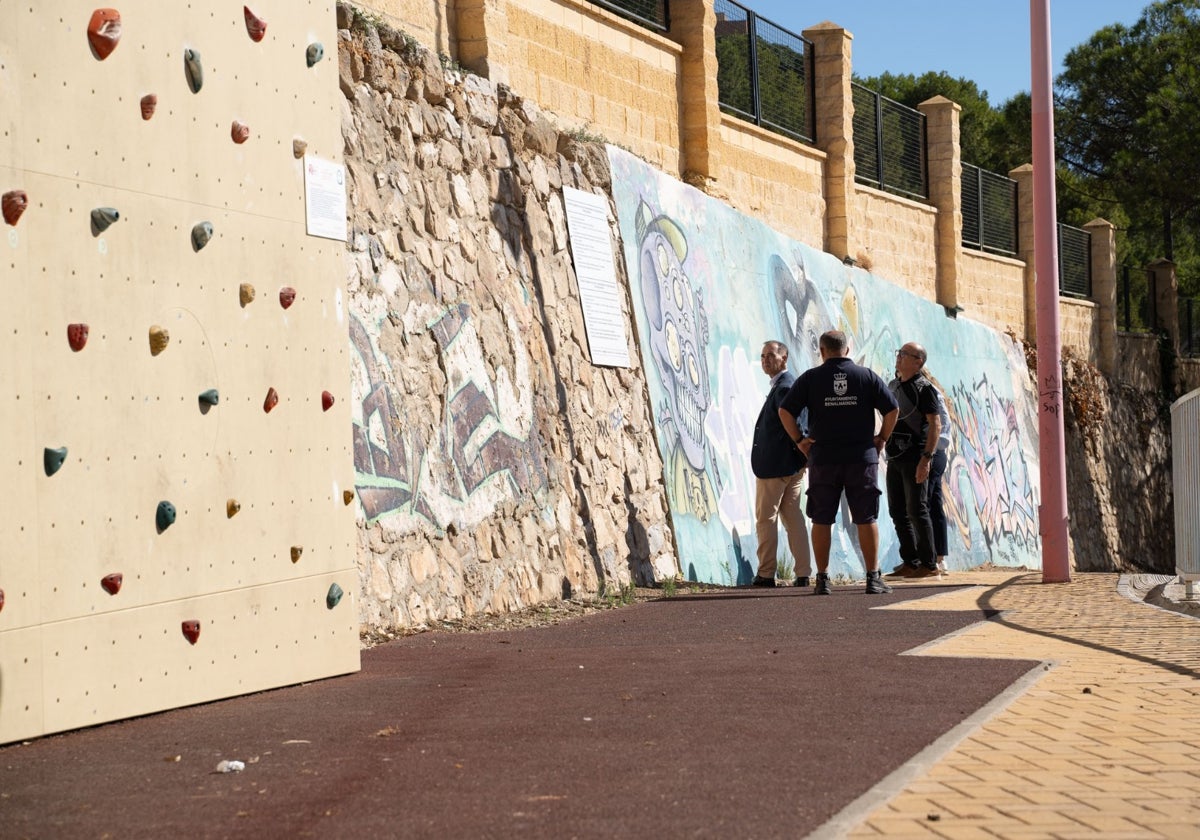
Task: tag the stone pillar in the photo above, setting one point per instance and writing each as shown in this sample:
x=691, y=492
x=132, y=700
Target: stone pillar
x=1104, y=291
x=481, y=29
x=694, y=27
x=834, y=106
x=944, y=158
x=1023, y=175
x=1166, y=300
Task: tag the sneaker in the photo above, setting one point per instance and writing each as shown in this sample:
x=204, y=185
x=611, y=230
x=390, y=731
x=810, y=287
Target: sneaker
x=762, y=581
x=875, y=584
x=822, y=587
x=800, y=581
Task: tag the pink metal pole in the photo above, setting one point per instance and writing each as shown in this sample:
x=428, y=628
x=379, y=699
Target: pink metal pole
x=1056, y=565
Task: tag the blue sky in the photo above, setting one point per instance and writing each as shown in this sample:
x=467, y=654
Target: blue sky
x=986, y=42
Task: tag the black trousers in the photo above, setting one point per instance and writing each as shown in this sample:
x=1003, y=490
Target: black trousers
x=908, y=503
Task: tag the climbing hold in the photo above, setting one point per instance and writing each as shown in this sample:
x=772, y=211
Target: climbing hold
x=347, y=496
x=13, y=203
x=256, y=27
x=210, y=397
x=299, y=147
x=240, y=132
x=159, y=338
x=191, y=630
x=314, y=53
x=245, y=294
x=193, y=69
x=149, y=102
x=201, y=233
x=1, y=599
x=326, y=400
x=112, y=583
x=287, y=296
x=102, y=217
x=232, y=506
x=271, y=401
x=333, y=596
x=77, y=336
x=52, y=459
x=164, y=517
x=296, y=552
x=104, y=31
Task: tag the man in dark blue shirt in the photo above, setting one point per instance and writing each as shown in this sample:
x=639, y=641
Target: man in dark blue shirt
x=843, y=449
x=778, y=469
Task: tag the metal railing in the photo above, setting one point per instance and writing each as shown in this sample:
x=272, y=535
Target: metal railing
x=1189, y=326
x=1136, y=310
x=889, y=144
x=1074, y=261
x=764, y=72
x=989, y=208
x=652, y=14
x=1185, y=481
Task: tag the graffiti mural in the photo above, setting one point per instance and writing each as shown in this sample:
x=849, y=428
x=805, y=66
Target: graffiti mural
x=483, y=450
x=711, y=285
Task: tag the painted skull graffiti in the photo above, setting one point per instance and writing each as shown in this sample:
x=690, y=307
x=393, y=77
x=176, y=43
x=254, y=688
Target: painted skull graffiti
x=678, y=331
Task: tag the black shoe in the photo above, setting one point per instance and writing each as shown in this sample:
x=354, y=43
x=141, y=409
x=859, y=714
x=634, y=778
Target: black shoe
x=875, y=584
x=822, y=587
x=762, y=581
x=800, y=581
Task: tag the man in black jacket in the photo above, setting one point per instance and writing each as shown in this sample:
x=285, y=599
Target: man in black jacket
x=910, y=453
x=778, y=467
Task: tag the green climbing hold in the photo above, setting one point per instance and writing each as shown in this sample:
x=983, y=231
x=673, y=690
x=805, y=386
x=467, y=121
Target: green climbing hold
x=164, y=517
x=210, y=397
x=333, y=596
x=53, y=459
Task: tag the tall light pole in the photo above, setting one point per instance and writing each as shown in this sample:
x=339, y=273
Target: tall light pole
x=1056, y=564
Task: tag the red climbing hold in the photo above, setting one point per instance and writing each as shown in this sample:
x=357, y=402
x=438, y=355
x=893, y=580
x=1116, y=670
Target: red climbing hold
x=104, y=31
x=112, y=583
x=77, y=336
x=13, y=204
x=287, y=296
x=326, y=400
x=191, y=630
x=271, y=401
x=256, y=27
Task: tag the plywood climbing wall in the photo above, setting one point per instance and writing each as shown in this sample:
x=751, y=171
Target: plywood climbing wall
x=165, y=539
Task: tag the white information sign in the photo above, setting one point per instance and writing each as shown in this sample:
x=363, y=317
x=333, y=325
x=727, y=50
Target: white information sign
x=325, y=198
x=591, y=249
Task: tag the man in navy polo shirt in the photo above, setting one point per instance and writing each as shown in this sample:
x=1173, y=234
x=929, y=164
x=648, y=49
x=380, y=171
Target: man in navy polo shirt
x=842, y=449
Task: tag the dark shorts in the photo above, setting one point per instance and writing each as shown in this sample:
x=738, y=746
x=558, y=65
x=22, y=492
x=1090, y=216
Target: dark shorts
x=827, y=482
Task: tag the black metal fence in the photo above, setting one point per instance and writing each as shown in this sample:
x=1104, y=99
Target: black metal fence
x=652, y=14
x=1189, y=326
x=764, y=72
x=989, y=208
x=1136, y=310
x=889, y=144
x=1074, y=261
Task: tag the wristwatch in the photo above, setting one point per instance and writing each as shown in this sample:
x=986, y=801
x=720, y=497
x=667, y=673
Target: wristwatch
x=928, y=455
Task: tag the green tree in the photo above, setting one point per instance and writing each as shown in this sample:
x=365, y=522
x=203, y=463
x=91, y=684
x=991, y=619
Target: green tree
x=1128, y=101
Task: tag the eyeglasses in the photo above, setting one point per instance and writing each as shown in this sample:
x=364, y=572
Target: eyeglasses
x=910, y=355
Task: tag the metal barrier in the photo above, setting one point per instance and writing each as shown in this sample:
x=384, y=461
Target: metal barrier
x=1189, y=326
x=1074, y=261
x=989, y=208
x=1136, y=309
x=889, y=144
x=1185, y=477
x=652, y=14
x=764, y=72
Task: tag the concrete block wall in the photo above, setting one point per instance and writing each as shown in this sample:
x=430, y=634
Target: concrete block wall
x=897, y=238
x=1079, y=328
x=987, y=293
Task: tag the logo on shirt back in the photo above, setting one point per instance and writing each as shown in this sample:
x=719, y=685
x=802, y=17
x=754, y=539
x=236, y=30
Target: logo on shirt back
x=840, y=384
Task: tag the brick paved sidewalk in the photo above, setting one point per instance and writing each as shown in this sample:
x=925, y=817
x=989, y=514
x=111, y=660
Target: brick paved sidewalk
x=1105, y=743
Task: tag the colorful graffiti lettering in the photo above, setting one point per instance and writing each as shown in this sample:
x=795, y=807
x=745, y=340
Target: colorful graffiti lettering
x=486, y=432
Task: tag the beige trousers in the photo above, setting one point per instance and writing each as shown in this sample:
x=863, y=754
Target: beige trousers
x=778, y=499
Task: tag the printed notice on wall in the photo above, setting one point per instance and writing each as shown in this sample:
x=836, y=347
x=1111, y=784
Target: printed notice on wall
x=591, y=249
x=325, y=198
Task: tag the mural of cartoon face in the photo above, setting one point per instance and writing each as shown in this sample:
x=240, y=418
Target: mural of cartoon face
x=678, y=333
x=803, y=313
